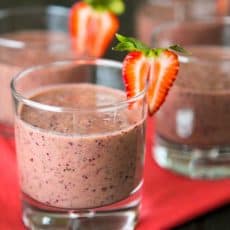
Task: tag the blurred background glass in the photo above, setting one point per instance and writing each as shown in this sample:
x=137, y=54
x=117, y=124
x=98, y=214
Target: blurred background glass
x=193, y=126
x=151, y=13
x=29, y=36
x=35, y=32
x=127, y=19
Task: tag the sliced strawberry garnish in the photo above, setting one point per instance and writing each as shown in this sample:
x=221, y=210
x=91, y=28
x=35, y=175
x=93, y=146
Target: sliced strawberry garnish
x=135, y=72
x=158, y=67
x=93, y=25
x=163, y=72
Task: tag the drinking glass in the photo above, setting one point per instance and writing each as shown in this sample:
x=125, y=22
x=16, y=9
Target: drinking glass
x=152, y=13
x=80, y=146
x=29, y=36
x=193, y=126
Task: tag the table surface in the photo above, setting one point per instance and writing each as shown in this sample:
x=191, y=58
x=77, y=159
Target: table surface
x=216, y=220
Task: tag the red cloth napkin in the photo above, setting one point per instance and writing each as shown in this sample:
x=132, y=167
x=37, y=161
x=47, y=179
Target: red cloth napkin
x=168, y=199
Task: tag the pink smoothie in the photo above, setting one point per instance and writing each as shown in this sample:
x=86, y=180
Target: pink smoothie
x=41, y=47
x=82, y=159
x=196, y=111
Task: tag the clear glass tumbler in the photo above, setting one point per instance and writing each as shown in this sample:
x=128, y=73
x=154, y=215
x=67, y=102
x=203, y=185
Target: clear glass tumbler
x=152, y=13
x=80, y=146
x=193, y=126
x=29, y=36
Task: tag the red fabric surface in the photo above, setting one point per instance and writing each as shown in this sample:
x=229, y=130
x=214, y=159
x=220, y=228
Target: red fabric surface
x=168, y=199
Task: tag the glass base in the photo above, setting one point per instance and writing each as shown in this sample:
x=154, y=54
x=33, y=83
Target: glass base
x=212, y=163
x=119, y=216
x=6, y=130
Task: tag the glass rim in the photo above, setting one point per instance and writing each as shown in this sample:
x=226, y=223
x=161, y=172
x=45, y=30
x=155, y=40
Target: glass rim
x=51, y=8
x=28, y=10
x=183, y=59
x=167, y=2
x=61, y=109
x=211, y=20
x=160, y=2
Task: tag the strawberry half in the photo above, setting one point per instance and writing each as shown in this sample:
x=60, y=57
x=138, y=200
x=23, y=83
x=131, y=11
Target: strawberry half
x=156, y=67
x=135, y=71
x=93, y=24
x=163, y=71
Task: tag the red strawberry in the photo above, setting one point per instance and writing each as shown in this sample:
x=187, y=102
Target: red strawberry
x=135, y=71
x=158, y=67
x=163, y=72
x=222, y=7
x=92, y=27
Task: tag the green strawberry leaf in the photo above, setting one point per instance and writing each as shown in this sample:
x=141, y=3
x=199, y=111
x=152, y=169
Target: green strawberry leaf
x=114, y=6
x=131, y=44
x=179, y=49
x=117, y=7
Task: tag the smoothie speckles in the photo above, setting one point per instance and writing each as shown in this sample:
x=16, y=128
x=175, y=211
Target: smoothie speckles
x=75, y=170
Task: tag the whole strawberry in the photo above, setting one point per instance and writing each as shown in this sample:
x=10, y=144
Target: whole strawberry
x=93, y=24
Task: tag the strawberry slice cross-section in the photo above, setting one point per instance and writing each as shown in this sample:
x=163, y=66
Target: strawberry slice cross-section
x=93, y=24
x=163, y=72
x=156, y=67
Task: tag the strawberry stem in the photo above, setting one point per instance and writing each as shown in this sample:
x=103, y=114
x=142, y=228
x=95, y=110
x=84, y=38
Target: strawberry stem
x=130, y=44
x=114, y=6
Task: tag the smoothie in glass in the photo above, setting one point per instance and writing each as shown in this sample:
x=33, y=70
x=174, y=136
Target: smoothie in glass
x=29, y=36
x=80, y=145
x=89, y=162
x=192, y=127
x=41, y=47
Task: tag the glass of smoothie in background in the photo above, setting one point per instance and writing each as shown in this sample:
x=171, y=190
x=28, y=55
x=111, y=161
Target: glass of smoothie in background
x=193, y=126
x=152, y=13
x=80, y=146
x=29, y=36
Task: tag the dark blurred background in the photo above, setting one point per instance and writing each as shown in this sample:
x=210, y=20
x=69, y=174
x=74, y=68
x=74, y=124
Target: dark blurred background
x=127, y=19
